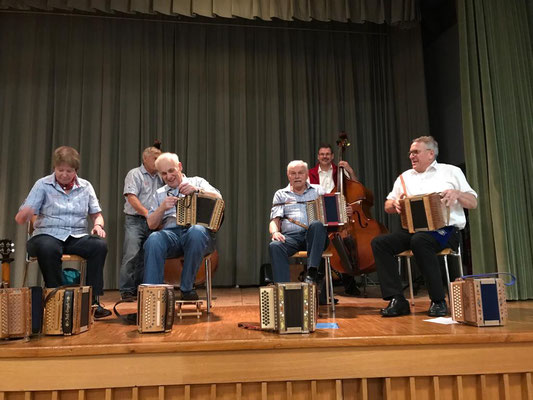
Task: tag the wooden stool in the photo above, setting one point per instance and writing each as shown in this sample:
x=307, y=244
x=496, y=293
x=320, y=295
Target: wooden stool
x=192, y=307
x=445, y=253
x=329, y=279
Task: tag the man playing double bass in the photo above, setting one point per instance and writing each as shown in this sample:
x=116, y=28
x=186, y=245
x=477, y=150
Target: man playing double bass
x=325, y=175
x=426, y=176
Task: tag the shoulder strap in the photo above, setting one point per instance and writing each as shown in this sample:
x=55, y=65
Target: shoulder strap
x=403, y=185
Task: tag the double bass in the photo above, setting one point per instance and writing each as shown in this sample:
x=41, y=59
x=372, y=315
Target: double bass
x=350, y=246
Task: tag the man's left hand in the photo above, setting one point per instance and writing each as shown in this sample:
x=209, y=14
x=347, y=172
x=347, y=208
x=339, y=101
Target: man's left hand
x=449, y=197
x=186, y=188
x=349, y=211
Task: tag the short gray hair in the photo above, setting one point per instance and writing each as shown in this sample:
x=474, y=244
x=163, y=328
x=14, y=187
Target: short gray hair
x=430, y=142
x=296, y=163
x=172, y=157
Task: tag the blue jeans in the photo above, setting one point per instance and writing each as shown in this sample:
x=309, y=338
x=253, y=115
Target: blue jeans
x=136, y=232
x=312, y=240
x=193, y=243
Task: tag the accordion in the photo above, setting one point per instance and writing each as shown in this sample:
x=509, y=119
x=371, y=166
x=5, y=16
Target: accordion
x=330, y=209
x=155, y=308
x=423, y=213
x=479, y=301
x=200, y=209
x=67, y=311
x=288, y=307
x=15, y=313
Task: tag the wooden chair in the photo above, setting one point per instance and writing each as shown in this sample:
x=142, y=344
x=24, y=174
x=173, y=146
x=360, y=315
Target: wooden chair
x=173, y=274
x=329, y=279
x=444, y=253
x=64, y=258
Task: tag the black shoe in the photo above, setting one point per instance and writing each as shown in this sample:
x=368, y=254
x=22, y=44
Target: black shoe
x=189, y=296
x=397, y=306
x=128, y=296
x=311, y=276
x=101, y=312
x=438, y=309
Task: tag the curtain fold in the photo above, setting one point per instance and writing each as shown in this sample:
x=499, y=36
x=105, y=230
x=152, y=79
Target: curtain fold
x=236, y=104
x=497, y=98
x=359, y=11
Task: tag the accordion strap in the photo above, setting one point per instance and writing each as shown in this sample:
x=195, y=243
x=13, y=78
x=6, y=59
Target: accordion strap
x=296, y=222
x=403, y=185
x=493, y=275
x=128, y=318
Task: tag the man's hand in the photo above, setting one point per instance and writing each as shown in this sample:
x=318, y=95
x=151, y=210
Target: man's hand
x=393, y=207
x=349, y=211
x=186, y=188
x=450, y=197
x=98, y=230
x=169, y=202
x=349, y=169
x=278, y=237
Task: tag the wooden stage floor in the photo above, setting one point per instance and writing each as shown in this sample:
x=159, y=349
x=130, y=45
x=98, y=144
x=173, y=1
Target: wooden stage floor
x=366, y=357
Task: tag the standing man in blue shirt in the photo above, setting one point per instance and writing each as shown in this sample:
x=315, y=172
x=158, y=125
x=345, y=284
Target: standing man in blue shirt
x=289, y=225
x=171, y=241
x=61, y=203
x=140, y=186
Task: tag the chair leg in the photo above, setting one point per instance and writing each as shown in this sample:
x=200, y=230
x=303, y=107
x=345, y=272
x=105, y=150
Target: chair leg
x=83, y=272
x=208, y=283
x=447, y=276
x=329, y=285
x=410, y=277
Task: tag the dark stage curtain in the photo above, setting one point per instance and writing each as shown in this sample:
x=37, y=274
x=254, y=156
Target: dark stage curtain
x=497, y=98
x=236, y=104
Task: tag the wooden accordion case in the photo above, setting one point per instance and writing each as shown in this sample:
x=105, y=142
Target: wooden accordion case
x=155, y=308
x=423, y=213
x=479, y=301
x=330, y=209
x=200, y=209
x=15, y=313
x=288, y=307
x=68, y=311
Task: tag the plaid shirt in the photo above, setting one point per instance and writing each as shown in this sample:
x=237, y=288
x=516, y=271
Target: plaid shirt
x=296, y=211
x=60, y=214
x=143, y=185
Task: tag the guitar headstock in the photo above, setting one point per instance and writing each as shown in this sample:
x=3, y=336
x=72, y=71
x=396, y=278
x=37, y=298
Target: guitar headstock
x=6, y=248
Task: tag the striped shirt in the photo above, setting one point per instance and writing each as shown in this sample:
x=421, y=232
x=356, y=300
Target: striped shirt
x=169, y=217
x=60, y=214
x=296, y=211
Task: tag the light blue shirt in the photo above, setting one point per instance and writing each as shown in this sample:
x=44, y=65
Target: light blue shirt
x=290, y=207
x=60, y=214
x=143, y=185
x=169, y=217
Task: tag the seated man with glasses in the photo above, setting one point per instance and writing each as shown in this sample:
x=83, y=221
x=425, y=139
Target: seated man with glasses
x=193, y=242
x=426, y=176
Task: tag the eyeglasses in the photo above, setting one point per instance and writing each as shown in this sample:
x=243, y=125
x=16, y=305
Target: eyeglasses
x=416, y=152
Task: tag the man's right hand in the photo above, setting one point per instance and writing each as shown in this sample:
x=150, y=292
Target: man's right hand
x=278, y=237
x=169, y=202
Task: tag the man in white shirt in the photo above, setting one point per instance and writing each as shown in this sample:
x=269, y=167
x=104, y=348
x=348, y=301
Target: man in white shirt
x=426, y=176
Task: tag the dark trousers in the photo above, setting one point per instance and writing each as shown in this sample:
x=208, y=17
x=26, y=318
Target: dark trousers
x=424, y=247
x=313, y=240
x=49, y=250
